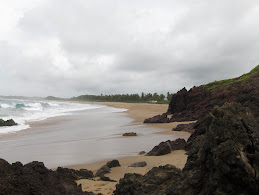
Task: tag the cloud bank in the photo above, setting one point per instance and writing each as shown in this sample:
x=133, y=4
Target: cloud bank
x=67, y=48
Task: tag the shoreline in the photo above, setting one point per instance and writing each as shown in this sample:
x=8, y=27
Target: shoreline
x=138, y=112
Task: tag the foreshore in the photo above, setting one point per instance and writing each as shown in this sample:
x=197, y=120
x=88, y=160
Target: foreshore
x=138, y=112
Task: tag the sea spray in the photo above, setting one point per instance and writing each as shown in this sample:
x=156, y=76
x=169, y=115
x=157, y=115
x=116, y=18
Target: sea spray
x=24, y=111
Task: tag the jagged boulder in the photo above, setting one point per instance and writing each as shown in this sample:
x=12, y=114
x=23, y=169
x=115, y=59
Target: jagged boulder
x=75, y=174
x=9, y=122
x=166, y=147
x=157, y=119
x=34, y=178
x=224, y=154
x=103, y=170
x=113, y=163
x=155, y=182
x=139, y=164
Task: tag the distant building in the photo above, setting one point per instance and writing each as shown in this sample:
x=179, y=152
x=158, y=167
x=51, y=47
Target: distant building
x=152, y=102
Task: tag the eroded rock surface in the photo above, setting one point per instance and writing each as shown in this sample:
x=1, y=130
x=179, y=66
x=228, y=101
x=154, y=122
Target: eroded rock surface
x=113, y=163
x=224, y=154
x=166, y=147
x=155, y=182
x=185, y=127
x=103, y=170
x=34, y=178
x=199, y=101
x=157, y=119
x=75, y=174
x=139, y=164
x=9, y=122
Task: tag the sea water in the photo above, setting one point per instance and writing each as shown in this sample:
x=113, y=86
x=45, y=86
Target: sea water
x=25, y=111
x=62, y=134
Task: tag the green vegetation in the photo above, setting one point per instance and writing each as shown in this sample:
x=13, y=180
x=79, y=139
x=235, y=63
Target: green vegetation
x=228, y=83
x=136, y=98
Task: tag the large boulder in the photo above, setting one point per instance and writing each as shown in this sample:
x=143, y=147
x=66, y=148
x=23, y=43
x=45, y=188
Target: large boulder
x=155, y=182
x=113, y=163
x=75, y=174
x=103, y=170
x=224, y=154
x=34, y=178
x=166, y=147
x=9, y=122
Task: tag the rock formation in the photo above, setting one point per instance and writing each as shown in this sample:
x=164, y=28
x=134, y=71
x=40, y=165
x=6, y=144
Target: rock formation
x=75, y=174
x=223, y=159
x=34, y=178
x=103, y=170
x=129, y=134
x=198, y=101
x=185, y=127
x=224, y=154
x=107, y=168
x=166, y=147
x=139, y=164
x=9, y=122
x=157, y=119
x=113, y=163
x=155, y=182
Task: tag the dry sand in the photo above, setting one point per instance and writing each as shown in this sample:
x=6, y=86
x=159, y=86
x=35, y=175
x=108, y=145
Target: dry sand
x=139, y=112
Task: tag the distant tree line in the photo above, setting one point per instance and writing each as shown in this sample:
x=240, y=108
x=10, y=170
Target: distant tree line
x=143, y=97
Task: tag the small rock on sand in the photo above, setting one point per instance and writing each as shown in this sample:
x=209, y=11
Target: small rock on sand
x=130, y=134
x=139, y=164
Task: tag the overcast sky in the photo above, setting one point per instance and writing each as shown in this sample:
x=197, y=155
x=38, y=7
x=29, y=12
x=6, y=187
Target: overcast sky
x=71, y=47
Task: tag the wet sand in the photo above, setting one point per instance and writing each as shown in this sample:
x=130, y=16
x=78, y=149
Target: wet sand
x=138, y=112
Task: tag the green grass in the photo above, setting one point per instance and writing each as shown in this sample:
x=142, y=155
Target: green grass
x=226, y=84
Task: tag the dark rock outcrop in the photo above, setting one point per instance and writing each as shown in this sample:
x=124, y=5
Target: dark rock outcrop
x=139, y=164
x=166, y=147
x=142, y=153
x=34, y=178
x=199, y=101
x=129, y=134
x=224, y=154
x=75, y=174
x=185, y=127
x=157, y=119
x=107, y=168
x=103, y=170
x=9, y=122
x=113, y=163
x=155, y=182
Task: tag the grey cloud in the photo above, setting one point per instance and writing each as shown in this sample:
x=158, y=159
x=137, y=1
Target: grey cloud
x=74, y=47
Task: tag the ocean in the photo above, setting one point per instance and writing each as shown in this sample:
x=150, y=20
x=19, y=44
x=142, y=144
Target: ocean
x=62, y=134
x=26, y=111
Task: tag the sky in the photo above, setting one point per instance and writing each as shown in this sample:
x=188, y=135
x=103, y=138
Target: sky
x=68, y=48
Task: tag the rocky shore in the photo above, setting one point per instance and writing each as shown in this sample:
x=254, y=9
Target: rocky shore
x=223, y=150
x=223, y=158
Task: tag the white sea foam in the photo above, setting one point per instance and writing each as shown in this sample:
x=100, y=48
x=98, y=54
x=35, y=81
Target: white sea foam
x=23, y=112
x=6, y=106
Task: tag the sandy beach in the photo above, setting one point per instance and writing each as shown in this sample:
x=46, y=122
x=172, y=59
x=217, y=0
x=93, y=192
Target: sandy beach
x=138, y=112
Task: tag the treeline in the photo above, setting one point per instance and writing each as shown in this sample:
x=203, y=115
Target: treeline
x=160, y=98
